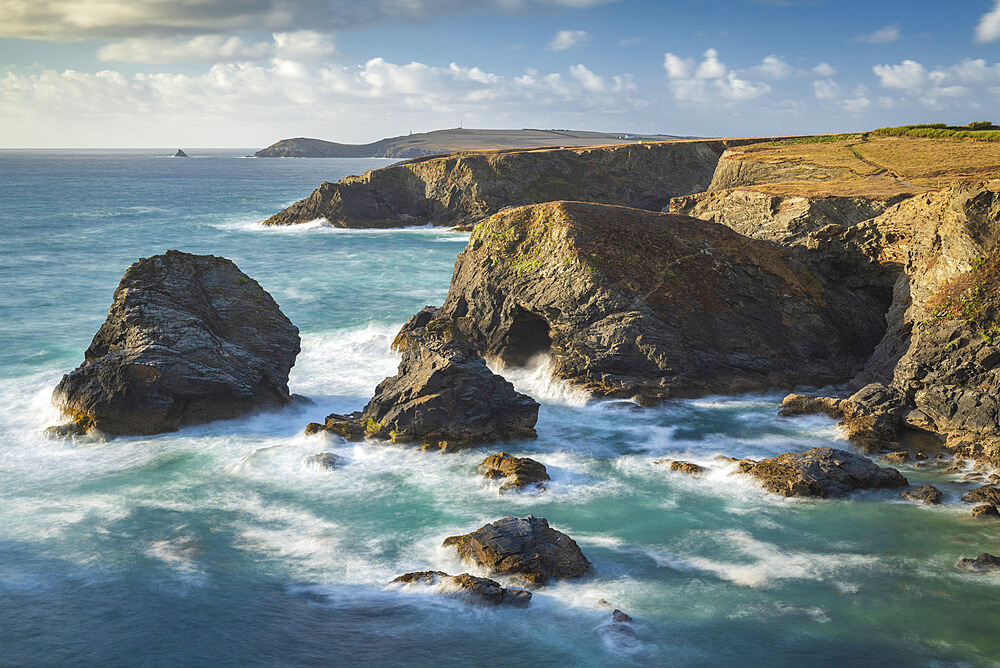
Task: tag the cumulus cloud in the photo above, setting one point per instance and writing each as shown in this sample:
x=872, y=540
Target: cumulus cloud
x=712, y=80
x=298, y=45
x=568, y=39
x=908, y=74
x=62, y=19
x=711, y=67
x=772, y=67
x=988, y=28
x=886, y=35
x=826, y=89
x=824, y=70
x=677, y=67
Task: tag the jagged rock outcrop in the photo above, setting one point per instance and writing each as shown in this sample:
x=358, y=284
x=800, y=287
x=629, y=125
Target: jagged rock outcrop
x=517, y=472
x=928, y=494
x=462, y=188
x=870, y=416
x=481, y=591
x=681, y=466
x=986, y=494
x=522, y=546
x=188, y=339
x=822, y=472
x=634, y=303
x=444, y=395
x=780, y=218
x=180, y=154
x=985, y=562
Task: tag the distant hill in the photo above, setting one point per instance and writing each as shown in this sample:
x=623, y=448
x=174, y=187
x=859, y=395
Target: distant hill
x=446, y=141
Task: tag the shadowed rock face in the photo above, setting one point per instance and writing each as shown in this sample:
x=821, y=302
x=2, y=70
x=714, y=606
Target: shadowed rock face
x=188, y=339
x=633, y=303
x=823, y=472
x=481, y=591
x=462, y=188
x=522, y=546
x=444, y=395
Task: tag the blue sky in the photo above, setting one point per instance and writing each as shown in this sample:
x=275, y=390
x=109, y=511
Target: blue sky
x=245, y=73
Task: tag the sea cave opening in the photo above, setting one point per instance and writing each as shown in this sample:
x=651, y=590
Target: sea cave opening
x=526, y=338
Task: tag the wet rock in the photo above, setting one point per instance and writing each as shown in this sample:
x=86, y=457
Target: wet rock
x=983, y=563
x=325, y=460
x=518, y=471
x=180, y=154
x=188, y=339
x=899, y=457
x=921, y=455
x=620, y=617
x=985, y=511
x=522, y=546
x=482, y=591
x=745, y=465
x=870, y=416
x=443, y=396
x=681, y=466
x=823, y=472
x=926, y=493
x=986, y=494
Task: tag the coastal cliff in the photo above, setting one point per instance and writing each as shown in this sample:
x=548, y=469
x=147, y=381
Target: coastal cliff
x=463, y=188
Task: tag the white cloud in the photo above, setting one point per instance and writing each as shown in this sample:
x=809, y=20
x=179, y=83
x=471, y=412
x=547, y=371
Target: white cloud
x=587, y=79
x=885, y=35
x=630, y=41
x=909, y=75
x=299, y=45
x=825, y=70
x=772, y=67
x=568, y=39
x=988, y=28
x=826, y=89
x=74, y=19
x=857, y=105
x=677, y=67
x=711, y=67
x=733, y=88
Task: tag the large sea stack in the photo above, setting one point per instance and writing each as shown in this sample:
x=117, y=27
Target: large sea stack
x=188, y=339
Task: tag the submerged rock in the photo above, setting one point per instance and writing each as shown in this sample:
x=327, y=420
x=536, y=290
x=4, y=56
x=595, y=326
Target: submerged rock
x=823, y=472
x=325, y=460
x=985, y=562
x=926, y=493
x=522, y=546
x=444, y=395
x=188, y=339
x=518, y=471
x=482, y=591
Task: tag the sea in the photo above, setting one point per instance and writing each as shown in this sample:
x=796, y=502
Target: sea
x=217, y=545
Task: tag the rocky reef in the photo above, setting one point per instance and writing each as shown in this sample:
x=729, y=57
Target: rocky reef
x=631, y=303
x=516, y=472
x=822, y=472
x=525, y=547
x=443, y=396
x=188, y=339
x=476, y=590
x=463, y=188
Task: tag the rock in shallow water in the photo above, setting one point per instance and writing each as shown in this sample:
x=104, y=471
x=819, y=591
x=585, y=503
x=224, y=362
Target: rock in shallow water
x=823, y=472
x=518, y=471
x=986, y=494
x=325, y=460
x=926, y=493
x=681, y=466
x=522, y=546
x=985, y=510
x=482, y=591
x=188, y=339
x=983, y=563
x=444, y=395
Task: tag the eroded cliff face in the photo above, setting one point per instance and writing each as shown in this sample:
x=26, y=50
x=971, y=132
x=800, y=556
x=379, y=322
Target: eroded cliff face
x=463, y=188
x=634, y=303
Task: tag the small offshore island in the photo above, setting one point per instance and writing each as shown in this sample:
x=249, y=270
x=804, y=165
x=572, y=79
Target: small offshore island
x=646, y=272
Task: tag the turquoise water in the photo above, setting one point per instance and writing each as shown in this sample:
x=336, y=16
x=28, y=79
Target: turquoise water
x=216, y=545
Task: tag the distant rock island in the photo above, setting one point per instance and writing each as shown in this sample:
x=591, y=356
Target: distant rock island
x=180, y=154
x=447, y=141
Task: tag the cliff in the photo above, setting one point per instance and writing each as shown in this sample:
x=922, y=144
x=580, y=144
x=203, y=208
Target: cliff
x=463, y=188
x=447, y=141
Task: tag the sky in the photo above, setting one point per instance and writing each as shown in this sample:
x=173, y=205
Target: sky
x=246, y=73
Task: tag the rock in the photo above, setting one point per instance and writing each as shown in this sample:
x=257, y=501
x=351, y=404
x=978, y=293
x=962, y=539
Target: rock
x=464, y=188
x=823, y=472
x=620, y=617
x=926, y=493
x=986, y=494
x=870, y=416
x=325, y=460
x=921, y=455
x=523, y=546
x=518, y=471
x=188, y=339
x=482, y=591
x=682, y=467
x=180, y=154
x=899, y=457
x=443, y=396
x=629, y=303
x=985, y=511
x=983, y=563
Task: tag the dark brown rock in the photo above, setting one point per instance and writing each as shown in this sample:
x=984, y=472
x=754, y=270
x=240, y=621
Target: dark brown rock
x=985, y=510
x=620, y=617
x=443, y=396
x=926, y=493
x=870, y=416
x=518, y=471
x=188, y=339
x=522, y=546
x=983, y=563
x=823, y=472
x=986, y=494
x=681, y=466
x=482, y=591
x=899, y=457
